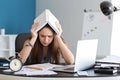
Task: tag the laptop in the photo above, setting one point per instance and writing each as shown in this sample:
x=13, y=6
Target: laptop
x=85, y=56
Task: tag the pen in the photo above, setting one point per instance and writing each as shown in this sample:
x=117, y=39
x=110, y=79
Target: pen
x=34, y=68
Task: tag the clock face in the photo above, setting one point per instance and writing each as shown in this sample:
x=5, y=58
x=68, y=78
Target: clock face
x=15, y=64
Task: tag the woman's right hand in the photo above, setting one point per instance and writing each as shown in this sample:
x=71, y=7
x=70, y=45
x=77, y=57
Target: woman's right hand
x=33, y=30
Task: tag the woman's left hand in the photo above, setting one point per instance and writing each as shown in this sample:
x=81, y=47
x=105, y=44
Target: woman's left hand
x=59, y=28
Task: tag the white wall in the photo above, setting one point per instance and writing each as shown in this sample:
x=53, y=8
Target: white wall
x=115, y=40
x=70, y=15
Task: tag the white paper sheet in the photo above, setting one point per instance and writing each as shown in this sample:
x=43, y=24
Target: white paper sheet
x=34, y=69
x=35, y=72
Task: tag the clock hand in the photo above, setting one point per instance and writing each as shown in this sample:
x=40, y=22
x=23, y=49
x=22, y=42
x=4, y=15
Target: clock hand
x=15, y=63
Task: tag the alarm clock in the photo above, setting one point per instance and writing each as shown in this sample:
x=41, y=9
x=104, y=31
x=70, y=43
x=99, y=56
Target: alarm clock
x=15, y=63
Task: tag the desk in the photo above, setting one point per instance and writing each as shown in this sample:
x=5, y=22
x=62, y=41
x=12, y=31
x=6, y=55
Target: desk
x=61, y=76
x=11, y=77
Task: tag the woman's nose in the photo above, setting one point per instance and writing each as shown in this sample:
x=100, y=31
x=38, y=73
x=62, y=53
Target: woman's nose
x=46, y=39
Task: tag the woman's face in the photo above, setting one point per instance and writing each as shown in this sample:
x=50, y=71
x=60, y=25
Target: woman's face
x=46, y=36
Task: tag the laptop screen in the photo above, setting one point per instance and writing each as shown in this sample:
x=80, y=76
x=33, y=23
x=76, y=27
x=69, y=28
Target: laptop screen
x=85, y=54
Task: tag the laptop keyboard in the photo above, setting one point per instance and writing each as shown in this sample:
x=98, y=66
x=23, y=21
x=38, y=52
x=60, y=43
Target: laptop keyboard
x=70, y=68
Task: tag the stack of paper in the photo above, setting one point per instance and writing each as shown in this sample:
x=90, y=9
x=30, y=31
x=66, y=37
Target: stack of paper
x=110, y=59
x=109, y=64
x=37, y=69
x=34, y=72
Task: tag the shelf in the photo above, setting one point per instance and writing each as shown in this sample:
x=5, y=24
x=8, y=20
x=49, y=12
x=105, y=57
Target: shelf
x=7, y=45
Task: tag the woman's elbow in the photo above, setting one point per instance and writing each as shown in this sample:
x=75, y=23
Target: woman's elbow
x=71, y=61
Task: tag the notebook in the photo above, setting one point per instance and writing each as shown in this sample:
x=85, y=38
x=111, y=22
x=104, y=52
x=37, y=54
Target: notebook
x=85, y=56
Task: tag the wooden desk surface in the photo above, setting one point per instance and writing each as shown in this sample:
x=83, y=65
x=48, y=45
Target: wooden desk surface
x=60, y=76
x=12, y=77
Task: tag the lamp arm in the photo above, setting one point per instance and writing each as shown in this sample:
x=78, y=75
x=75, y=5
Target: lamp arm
x=116, y=8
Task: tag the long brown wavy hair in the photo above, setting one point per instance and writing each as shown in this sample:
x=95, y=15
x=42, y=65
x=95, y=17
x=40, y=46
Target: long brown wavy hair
x=36, y=53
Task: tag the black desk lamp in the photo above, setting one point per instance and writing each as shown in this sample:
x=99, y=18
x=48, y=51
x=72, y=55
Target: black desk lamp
x=107, y=8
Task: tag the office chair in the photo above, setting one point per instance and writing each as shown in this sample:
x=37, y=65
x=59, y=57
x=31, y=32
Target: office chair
x=20, y=39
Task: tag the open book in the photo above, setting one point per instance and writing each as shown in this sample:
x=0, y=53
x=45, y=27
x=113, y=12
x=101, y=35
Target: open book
x=46, y=17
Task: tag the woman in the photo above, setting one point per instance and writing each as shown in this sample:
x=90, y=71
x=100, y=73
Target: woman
x=45, y=46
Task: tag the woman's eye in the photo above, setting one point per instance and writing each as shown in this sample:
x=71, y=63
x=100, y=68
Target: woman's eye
x=50, y=36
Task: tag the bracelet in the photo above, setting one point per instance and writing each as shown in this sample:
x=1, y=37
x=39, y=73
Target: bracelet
x=29, y=44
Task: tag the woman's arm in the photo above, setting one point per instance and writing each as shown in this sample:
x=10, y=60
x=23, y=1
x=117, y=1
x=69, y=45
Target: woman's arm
x=28, y=45
x=66, y=52
x=25, y=52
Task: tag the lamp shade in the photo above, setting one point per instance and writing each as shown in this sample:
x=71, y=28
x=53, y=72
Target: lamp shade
x=107, y=8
